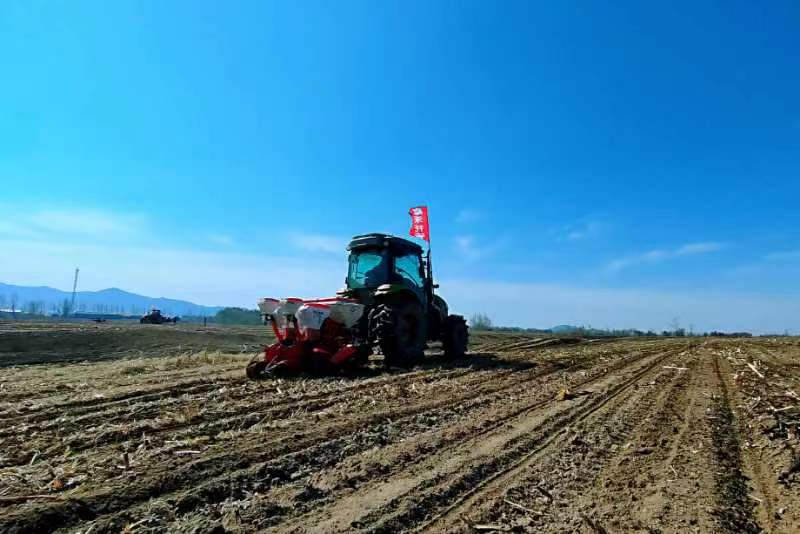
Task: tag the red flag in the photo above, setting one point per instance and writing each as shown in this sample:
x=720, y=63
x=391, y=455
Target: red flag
x=419, y=223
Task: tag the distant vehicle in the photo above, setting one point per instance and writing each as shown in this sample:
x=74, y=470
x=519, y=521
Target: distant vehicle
x=155, y=317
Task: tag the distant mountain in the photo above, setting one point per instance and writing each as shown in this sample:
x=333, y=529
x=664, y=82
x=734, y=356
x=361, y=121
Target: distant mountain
x=113, y=300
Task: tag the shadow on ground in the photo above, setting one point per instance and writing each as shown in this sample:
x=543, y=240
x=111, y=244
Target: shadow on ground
x=477, y=361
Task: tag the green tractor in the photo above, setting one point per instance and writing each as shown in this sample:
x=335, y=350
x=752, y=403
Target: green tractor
x=392, y=279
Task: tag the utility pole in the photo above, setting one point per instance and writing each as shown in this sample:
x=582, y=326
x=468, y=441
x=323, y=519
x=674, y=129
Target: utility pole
x=74, y=288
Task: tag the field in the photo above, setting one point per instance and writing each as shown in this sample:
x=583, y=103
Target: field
x=108, y=428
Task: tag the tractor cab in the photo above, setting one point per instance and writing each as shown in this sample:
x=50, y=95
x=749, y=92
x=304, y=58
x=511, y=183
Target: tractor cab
x=380, y=265
x=390, y=276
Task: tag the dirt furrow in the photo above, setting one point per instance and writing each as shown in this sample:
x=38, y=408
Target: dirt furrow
x=136, y=413
x=658, y=477
x=766, y=417
x=180, y=474
x=530, y=433
x=735, y=507
x=174, y=474
x=441, y=443
x=99, y=403
x=484, y=482
x=387, y=487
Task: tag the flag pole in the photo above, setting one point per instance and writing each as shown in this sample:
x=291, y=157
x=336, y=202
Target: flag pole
x=430, y=266
x=421, y=229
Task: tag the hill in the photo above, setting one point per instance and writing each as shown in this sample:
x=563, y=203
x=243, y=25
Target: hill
x=113, y=300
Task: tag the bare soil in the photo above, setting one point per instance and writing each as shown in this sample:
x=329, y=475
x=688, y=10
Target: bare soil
x=526, y=434
x=47, y=342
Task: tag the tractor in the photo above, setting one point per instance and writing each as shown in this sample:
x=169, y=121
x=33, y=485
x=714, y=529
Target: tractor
x=388, y=303
x=155, y=317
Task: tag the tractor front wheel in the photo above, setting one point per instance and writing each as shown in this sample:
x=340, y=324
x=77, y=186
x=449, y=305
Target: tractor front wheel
x=455, y=337
x=399, y=330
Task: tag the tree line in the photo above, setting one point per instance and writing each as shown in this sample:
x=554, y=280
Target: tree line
x=482, y=322
x=11, y=304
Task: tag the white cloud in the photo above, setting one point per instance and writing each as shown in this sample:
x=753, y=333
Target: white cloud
x=220, y=239
x=212, y=278
x=467, y=248
x=72, y=223
x=319, y=243
x=586, y=230
x=17, y=229
x=767, y=266
x=216, y=278
x=543, y=306
x=660, y=255
x=783, y=256
x=87, y=222
x=120, y=250
x=228, y=278
x=699, y=248
x=466, y=216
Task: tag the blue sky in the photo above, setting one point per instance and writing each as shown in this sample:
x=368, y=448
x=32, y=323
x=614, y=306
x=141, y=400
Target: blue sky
x=614, y=165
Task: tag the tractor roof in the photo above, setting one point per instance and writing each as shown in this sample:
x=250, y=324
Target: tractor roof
x=397, y=245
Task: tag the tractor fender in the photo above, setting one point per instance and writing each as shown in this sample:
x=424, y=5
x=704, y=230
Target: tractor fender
x=441, y=307
x=437, y=318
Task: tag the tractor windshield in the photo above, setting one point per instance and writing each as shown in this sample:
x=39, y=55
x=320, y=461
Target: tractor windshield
x=409, y=268
x=367, y=269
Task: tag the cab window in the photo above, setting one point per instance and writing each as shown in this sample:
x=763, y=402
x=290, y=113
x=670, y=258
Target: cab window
x=367, y=269
x=409, y=268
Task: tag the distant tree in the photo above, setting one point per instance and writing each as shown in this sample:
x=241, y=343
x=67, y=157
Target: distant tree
x=66, y=308
x=35, y=307
x=731, y=334
x=675, y=324
x=2, y=301
x=14, y=305
x=480, y=321
x=237, y=316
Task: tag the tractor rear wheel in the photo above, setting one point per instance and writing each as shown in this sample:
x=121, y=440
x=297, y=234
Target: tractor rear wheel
x=399, y=330
x=455, y=337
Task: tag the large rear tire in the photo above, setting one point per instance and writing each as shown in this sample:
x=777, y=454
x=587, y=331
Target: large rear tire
x=399, y=330
x=455, y=337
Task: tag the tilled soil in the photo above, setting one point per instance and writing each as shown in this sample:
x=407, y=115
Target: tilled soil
x=25, y=343
x=525, y=434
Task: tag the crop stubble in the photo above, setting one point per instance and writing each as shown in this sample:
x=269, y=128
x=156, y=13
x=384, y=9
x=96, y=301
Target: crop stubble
x=649, y=434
